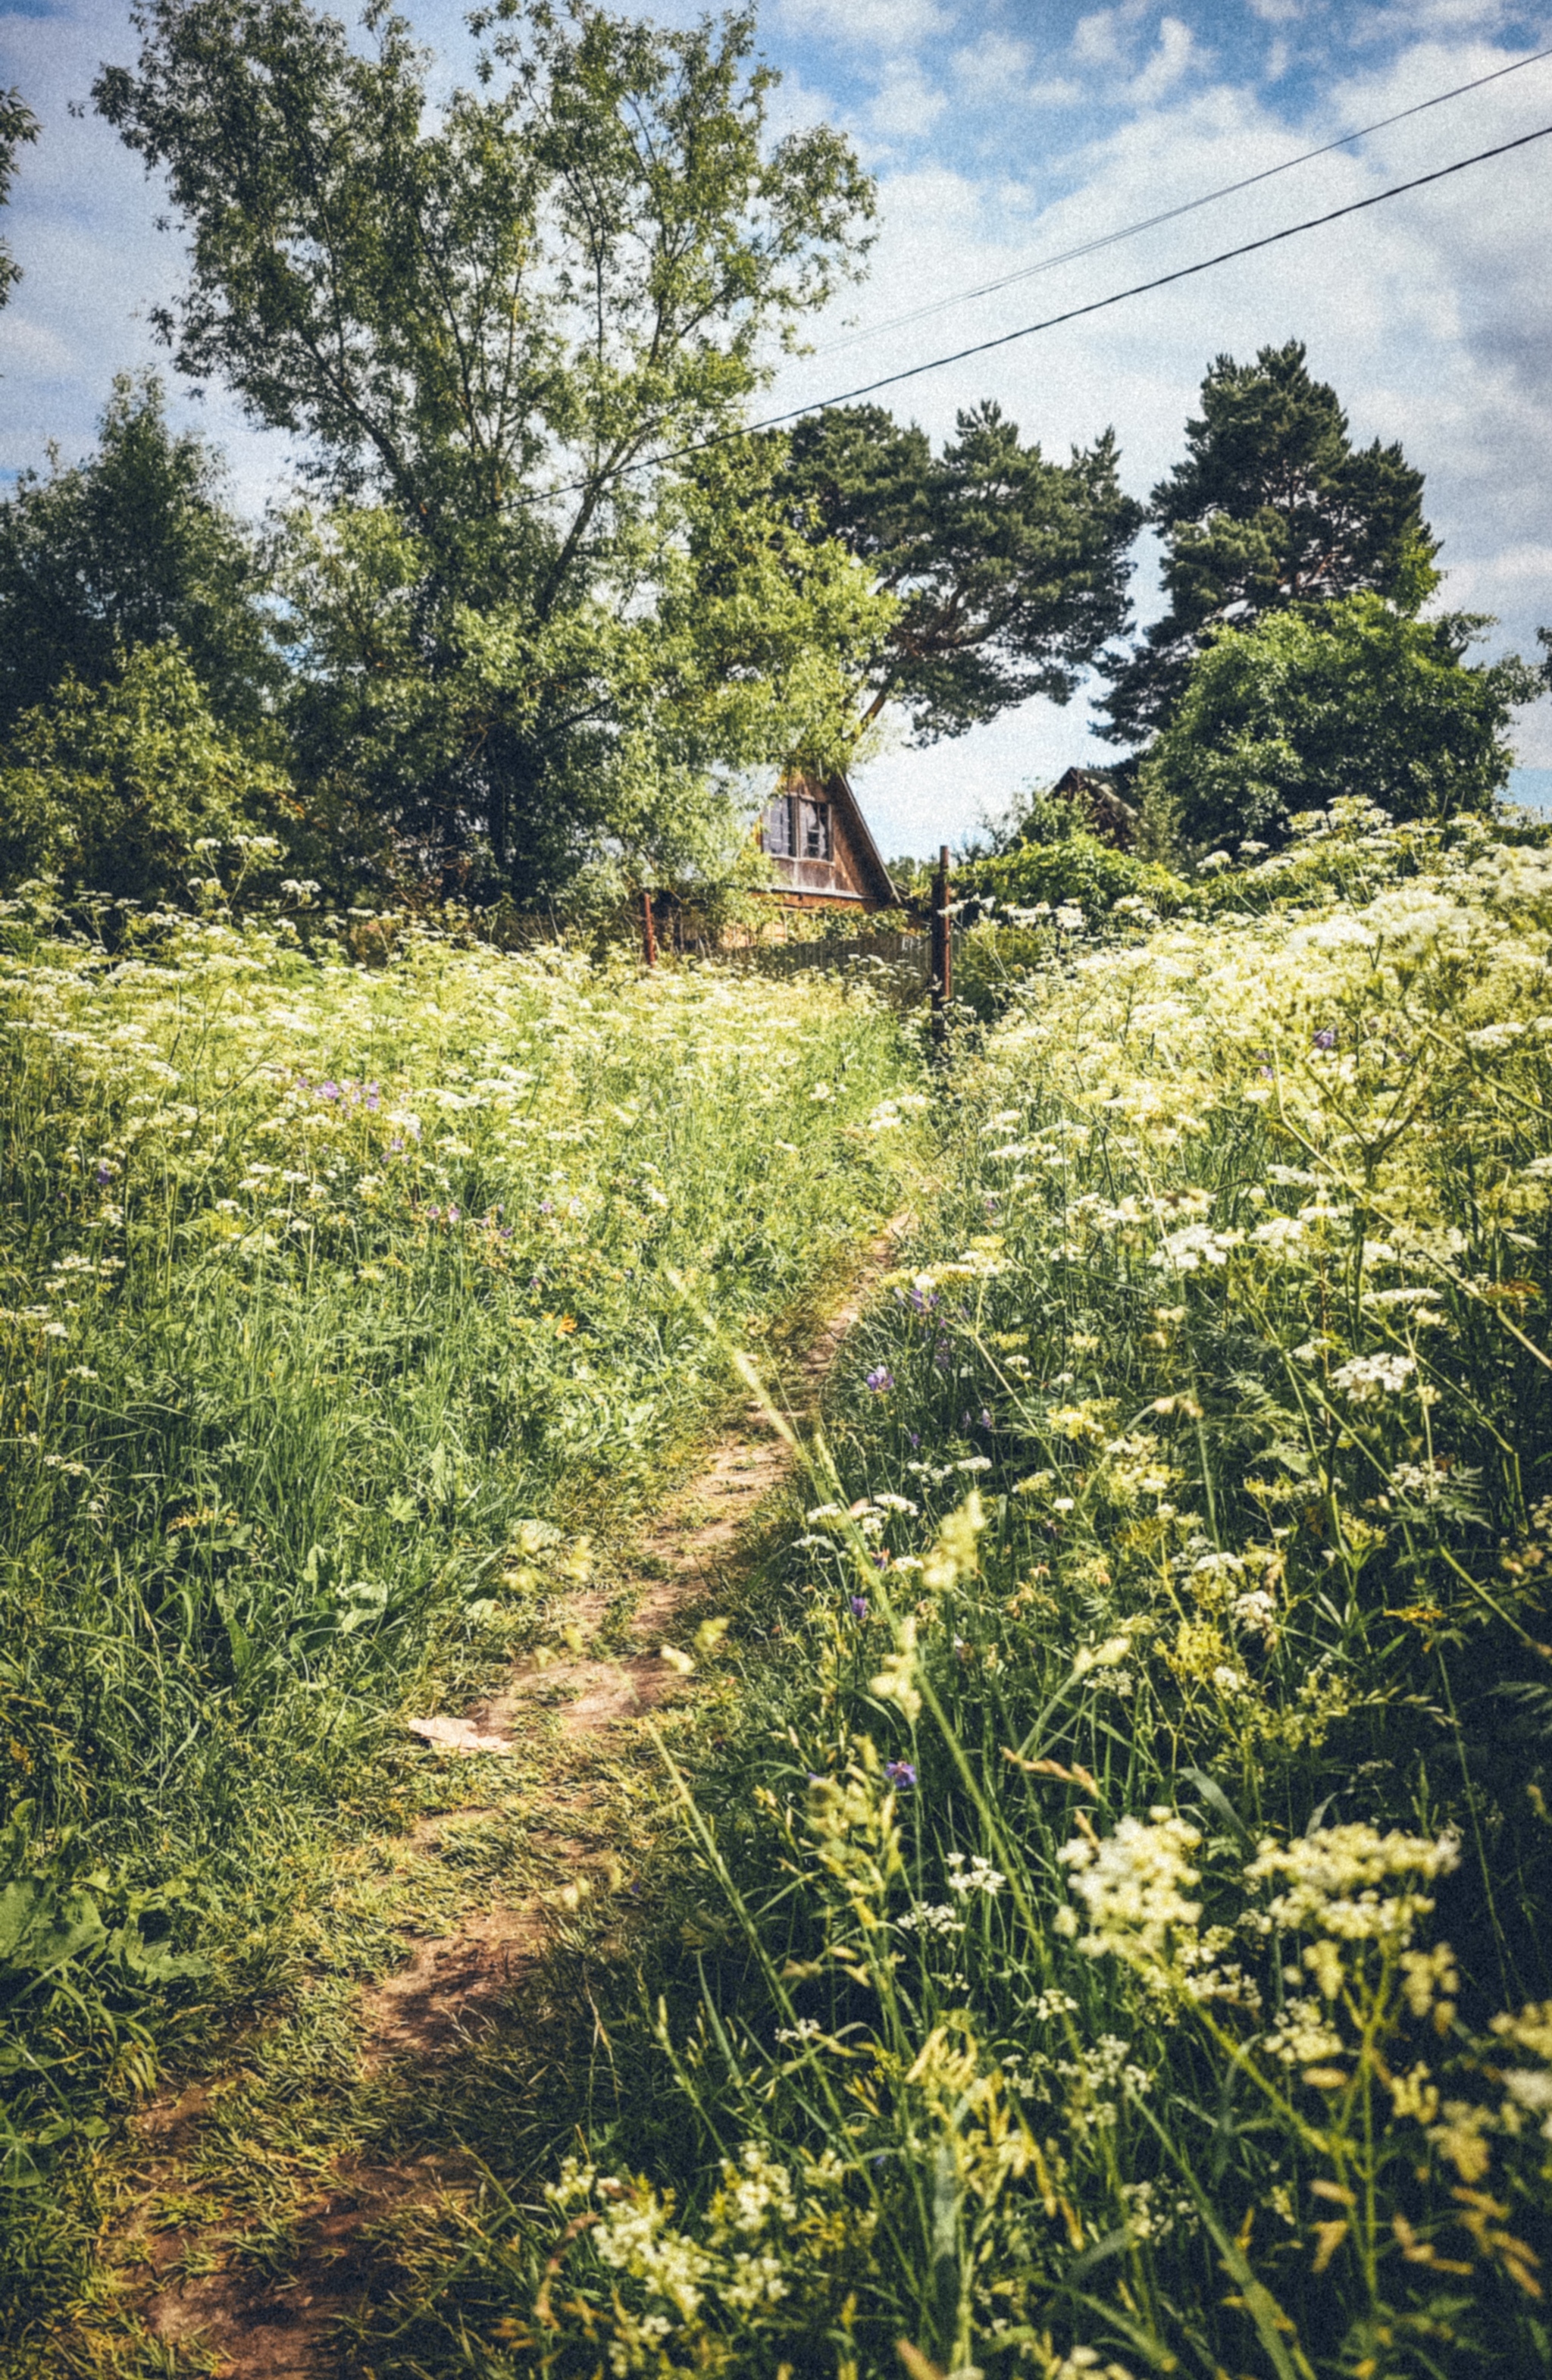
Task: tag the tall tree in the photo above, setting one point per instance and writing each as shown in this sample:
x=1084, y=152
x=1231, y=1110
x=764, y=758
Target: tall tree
x=1009, y=571
x=17, y=126
x=133, y=546
x=1272, y=506
x=488, y=320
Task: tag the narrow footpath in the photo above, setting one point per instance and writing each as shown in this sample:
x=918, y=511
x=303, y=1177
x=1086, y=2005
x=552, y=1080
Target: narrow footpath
x=278, y=2302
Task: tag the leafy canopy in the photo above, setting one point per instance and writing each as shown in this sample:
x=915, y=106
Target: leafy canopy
x=114, y=788
x=488, y=321
x=1272, y=506
x=131, y=547
x=17, y=126
x=1009, y=571
x=1353, y=699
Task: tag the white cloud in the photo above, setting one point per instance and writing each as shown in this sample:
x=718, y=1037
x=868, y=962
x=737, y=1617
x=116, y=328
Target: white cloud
x=994, y=64
x=1173, y=58
x=1098, y=39
x=906, y=104
x=889, y=25
x=1416, y=16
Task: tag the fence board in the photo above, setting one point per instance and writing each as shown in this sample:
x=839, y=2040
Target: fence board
x=897, y=966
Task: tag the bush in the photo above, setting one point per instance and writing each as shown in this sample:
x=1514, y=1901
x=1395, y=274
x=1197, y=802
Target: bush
x=114, y=789
x=1076, y=871
x=1353, y=700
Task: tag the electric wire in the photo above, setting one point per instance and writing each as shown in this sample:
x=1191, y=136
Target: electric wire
x=1140, y=288
x=1049, y=322
x=1171, y=214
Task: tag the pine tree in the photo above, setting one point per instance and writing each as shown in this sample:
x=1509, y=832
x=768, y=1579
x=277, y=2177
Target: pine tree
x=1272, y=507
x=1009, y=569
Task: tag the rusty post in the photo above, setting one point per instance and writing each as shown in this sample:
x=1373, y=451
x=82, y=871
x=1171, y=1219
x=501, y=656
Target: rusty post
x=941, y=948
x=648, y=935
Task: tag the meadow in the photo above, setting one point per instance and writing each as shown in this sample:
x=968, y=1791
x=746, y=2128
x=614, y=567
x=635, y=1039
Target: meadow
x=1089, y=1916
x=352, y=1305
x=1109, y=1933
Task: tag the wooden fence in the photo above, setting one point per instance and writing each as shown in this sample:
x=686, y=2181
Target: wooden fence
x=897, y=966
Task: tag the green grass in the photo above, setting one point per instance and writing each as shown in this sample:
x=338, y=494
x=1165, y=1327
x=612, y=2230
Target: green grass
x=1112, y=1933
x=351, y=1314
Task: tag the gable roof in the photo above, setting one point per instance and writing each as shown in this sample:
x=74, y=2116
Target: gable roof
x=853, y=870
x=878, y=884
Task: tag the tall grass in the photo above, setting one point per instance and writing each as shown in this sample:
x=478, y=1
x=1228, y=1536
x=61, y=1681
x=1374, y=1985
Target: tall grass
x=347, y=1310
x=1134, y=1881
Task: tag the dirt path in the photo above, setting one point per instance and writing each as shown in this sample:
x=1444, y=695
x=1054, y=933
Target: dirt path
x=243, y=2319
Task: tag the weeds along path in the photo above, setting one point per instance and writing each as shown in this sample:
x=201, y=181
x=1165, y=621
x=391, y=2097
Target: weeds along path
x=272, y=2299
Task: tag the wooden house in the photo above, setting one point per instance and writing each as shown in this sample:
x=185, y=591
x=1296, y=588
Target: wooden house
x=1104, y=814
x=821, y=851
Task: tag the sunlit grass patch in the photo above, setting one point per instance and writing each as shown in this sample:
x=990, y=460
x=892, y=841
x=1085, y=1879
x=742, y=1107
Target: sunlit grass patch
x=1116, y=1936
x=350, y=1318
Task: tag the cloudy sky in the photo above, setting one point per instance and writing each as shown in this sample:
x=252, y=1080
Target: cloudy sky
x=1004, y=132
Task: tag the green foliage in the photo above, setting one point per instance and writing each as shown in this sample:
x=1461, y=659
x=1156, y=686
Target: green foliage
x=488, y=319
x=1111, y=1931
x=1353, y=700
x=132, y=547
x=125, y=789
x=1273, y=506
x=17, y=126
x=1007, y=572
x=1076, y=870
x=339, y=1303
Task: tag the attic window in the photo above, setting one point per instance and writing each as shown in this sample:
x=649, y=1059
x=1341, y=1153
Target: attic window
x=813, y=829
x=779, y=828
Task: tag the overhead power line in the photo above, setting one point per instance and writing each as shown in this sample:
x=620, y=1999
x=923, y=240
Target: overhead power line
x=1138, y=289
x=1050, y=322
x=1171, y=215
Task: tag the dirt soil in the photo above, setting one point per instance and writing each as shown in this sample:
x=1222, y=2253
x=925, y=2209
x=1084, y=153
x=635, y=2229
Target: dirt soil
x=244, y=2320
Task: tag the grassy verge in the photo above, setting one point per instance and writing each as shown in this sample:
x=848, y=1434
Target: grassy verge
x=1114, y=1938
x=348, y=1311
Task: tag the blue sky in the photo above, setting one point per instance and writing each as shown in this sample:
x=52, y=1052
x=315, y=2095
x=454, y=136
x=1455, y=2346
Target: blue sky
x=1002, y=132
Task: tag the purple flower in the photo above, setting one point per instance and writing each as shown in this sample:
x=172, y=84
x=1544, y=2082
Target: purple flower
x=901, y=1775
x=924, y=1301
x=545, y=1207
x=1326, y=1038
x=434, y=1214
x=395, y=1148
x=985, y=1418
x=374, y=1097
x=859, y=1606
x=105, y=1172
x=452, y=1214
x=915, y=1437
x=881, y=1380
x=328, y=1090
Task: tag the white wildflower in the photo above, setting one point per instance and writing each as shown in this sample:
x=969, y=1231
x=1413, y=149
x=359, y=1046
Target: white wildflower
x=1366, y=1379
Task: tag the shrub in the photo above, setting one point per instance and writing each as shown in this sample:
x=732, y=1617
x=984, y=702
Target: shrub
x=114, y=790
x=1308, y=706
